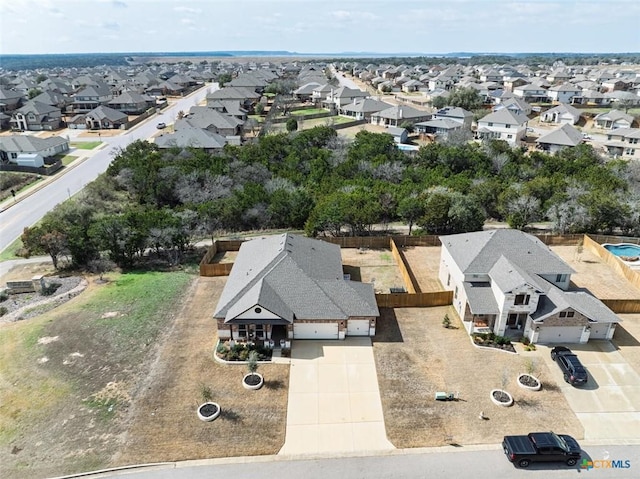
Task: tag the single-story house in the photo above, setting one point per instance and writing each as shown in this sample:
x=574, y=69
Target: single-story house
x=613, y=119
x=291, y=287
x=13, y=146
x=105, y=118
x=192, y=137
x=510, y=283
x=562, y=137
x=397, y=115
x=563, y=114
x=363, y=109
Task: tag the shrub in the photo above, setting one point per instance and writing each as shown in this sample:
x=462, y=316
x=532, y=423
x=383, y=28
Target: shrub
x=3, y=310
x=50, y=288
x=525, y=341
x=207, y=393
x=3, y=296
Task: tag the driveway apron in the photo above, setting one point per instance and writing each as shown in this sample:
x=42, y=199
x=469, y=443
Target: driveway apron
x=608, y=406
x=334, y=401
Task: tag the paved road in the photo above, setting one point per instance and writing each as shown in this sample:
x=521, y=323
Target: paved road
x=453, y=463
x=32, y=208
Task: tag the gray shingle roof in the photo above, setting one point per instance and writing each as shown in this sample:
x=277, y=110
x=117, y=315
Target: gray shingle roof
x=566, y=135
x=29, y=144
x=504, y=117
x=476, y=253
x=293, y=277
x=191, y=137
x=480, y=298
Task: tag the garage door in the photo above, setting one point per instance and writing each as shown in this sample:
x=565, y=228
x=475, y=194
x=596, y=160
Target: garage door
x=560, y=334
x=358, y=327
x=315, y=330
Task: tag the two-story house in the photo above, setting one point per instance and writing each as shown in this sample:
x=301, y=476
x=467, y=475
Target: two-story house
x=624, y=143
x=510, y=283
x=91, y=97
x=563, y=93
x=36, y=116
x=503, y=125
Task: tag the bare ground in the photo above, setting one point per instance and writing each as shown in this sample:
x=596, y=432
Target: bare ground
x=376, y=266
x=595, y=275
x=416, y=356
x=424, y=262
x=164, y=425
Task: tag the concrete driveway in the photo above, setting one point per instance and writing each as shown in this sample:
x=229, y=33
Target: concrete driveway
x=609, y=405
x=334, y=402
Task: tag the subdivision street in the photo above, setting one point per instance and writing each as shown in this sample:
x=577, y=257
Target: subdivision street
x=33, y=207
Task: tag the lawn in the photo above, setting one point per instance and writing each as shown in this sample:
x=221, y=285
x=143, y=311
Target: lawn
x=68, y=159
x=85, y=145
x=71, y=375
x=309, y=111
x=10, y=251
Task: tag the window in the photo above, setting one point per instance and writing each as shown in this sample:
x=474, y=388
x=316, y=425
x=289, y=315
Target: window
x=561, y=278
x=507, y=126
x=260, y=331
x=257, y=310
x=448, y=279
x=242, y=330
x=509, y=136
x=455, y=294
x=522, y=299
x=490, y=123
x=563, y=314
x=570, y=314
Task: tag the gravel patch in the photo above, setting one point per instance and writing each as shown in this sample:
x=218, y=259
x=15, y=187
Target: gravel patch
x=28, y=305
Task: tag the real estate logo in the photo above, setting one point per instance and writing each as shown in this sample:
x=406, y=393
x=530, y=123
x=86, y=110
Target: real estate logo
x=605, y=464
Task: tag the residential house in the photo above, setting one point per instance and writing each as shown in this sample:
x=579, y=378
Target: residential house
x=336, y=98
x=457, y=114
x=412, y=86
x=132, y=103
x=562, y=114
x=36, y=116
x=624, y=143
x=562, y=137
x=563, y=93
x=229, y=107
x=531, y=93
x=515, y=105
x=438, y=127
x=209, y=119
x=613, y=119
x=510, y=283
x=591, y=97
x=292, y=287
x=105, y=118
x=12, y=146
x=192, y=137
x=10, y=100
x=247, y=98
x=90, y=98
x=305, y=92
x=363, y=109
x=502, y=125
x=397, y=115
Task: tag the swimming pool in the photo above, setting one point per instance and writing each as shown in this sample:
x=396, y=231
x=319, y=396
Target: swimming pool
x=624, y=250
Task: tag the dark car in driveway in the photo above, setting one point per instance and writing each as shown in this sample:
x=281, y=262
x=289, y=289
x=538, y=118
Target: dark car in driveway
x=571, y=367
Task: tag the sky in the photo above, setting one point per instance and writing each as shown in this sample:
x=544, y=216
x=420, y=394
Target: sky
x=319, y=26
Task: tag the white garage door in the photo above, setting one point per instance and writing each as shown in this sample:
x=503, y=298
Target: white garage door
x=315, y=330
x=560, y=334
x=358, y=327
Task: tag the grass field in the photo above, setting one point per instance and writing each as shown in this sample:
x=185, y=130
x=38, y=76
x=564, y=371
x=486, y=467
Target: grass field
x=69, y=376
x=309, y=111
x=85, y=145
x=68, y=159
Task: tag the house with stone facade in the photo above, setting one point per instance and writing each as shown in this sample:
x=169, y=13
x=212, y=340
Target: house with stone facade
x=291, y=287
x=510, y=283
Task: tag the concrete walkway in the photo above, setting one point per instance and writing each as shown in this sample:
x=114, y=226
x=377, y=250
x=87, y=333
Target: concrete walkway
x=609, y=405
x=334, y=401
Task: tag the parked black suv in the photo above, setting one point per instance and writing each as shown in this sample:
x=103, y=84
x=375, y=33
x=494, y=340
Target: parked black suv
x=573, y=370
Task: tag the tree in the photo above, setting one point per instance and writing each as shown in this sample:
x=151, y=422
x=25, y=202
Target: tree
x=34, y=92
x=292, y=124
x=41, y=239
x=410, y=209
x=259, y=109
x=100, y=266
x=467, y=98
x=223, y=78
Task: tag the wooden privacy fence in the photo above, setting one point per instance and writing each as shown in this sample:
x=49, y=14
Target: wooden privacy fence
x=417, y=300
x=207, y=268
x=622, y=306
x=410, y=281
x=631, y=275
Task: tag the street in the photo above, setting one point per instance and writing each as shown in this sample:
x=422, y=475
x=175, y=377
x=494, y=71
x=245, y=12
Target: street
x=443, y=463
x=32, y=208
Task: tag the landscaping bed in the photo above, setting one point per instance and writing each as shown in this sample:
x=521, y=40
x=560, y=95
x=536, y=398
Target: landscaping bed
x=239, y=351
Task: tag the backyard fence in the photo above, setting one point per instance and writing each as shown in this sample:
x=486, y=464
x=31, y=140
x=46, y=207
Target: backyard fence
x=416, y=300
x=410, y=281
x=592, y=243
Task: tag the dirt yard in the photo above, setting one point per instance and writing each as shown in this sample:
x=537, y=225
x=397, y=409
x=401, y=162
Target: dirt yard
x=425, y=263
x=164, y=422
x=376, y=266
x=595, y=275
x=416, y=356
